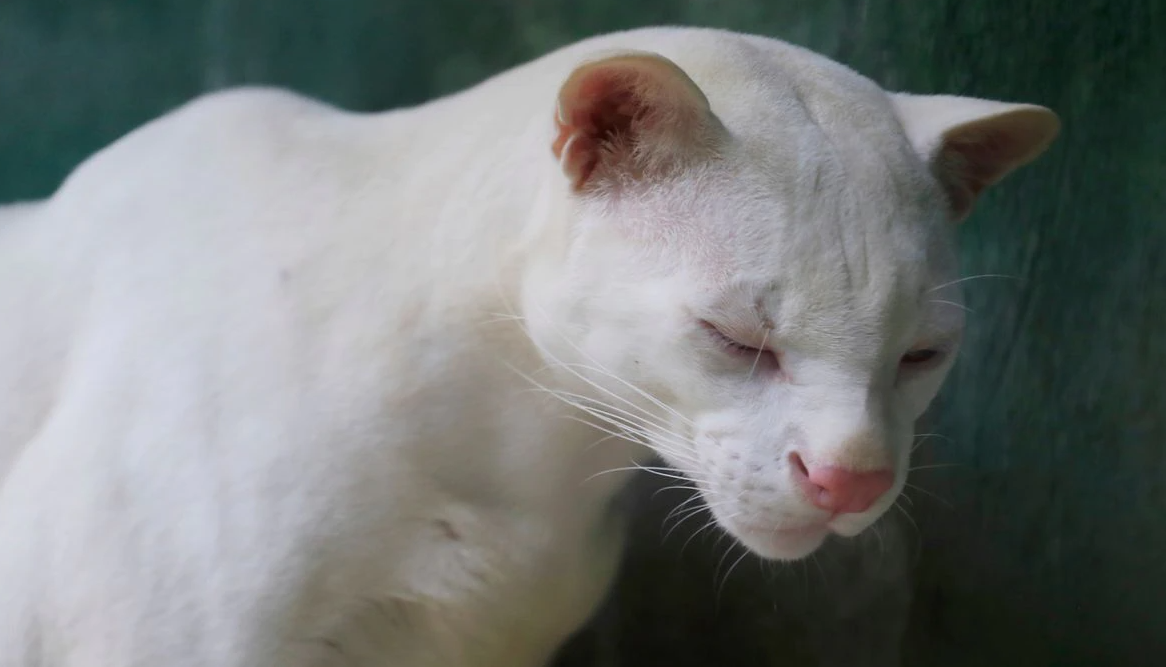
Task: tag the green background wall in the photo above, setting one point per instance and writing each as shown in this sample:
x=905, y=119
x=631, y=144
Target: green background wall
x=1040, y=536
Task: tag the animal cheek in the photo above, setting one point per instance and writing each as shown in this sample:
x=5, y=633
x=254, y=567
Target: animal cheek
x=729, y=462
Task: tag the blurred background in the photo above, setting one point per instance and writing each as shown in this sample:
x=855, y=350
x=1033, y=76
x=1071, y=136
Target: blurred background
x=1035, y=530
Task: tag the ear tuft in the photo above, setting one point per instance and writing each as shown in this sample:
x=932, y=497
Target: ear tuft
x=634, y=114
x=972, y=144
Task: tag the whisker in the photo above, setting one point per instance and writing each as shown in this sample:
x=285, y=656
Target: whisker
x=879, y=536
x=682, y=513
x=661, y=443
x=918, y=533
x=970, y=278
x=925, y=491
x=723, y=535
x=681, y=506
x=676, y=517
x=651, y=430
x=627, y=419
x=683, y=517
x=954, y=304
x=565, y=397
x=628, y=431
x=711, y=523
x=721, y=562
x=678, y=487
x=570, y=368
x=934, y=435
x=611, y=435
x=666, y=473
x=922, y=438
x=688, y=513
x=935, y=466
x=660, y=472
x=814, y=560
x=580, y=397
x=600, y=441
x=661, y=428
x=909, y=518
x=654, y=431
x=760, y=351
x=599, y=368
x=496, y=318
x=743, y=556
x=648, y=397
x=625, y=432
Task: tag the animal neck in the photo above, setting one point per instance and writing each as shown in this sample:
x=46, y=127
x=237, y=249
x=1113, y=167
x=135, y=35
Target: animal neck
x=501, y=231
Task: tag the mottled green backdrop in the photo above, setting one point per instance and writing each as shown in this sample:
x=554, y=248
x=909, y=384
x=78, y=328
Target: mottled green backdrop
x=1037, y=529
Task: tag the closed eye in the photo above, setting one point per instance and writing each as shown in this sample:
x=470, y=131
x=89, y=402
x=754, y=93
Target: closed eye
x=757, y=356
x=921, y=358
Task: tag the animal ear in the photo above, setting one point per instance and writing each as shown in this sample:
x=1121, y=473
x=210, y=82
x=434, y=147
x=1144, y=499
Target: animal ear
x=632, y=114
x=972, y=144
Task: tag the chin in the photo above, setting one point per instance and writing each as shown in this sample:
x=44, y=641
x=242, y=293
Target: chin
x=851, y=526
x=781, y=544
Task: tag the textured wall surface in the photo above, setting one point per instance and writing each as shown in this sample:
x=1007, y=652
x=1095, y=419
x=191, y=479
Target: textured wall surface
x=1035, y=530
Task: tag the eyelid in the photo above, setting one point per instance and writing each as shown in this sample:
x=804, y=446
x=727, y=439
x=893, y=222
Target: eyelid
x=941, y=344
x=734, y=341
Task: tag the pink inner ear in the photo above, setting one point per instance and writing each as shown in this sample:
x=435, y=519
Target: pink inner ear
x=578, y=154
x=607, y=105
x=978, y=156
x=968, y=165
x=632, y=116
x=980, y=161
x=604, y=110
x=966, y=170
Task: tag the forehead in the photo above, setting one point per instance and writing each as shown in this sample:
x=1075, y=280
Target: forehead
x=824, y=232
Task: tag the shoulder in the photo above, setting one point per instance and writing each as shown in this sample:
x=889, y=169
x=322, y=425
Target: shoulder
x=224, y=130
x=243, y=112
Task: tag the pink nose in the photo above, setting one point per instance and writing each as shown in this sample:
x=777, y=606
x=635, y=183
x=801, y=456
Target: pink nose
x=840, y=490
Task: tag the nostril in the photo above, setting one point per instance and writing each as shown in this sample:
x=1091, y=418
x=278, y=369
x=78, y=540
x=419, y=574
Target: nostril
x=838, y=489
x=816, y=493
x=798, y=465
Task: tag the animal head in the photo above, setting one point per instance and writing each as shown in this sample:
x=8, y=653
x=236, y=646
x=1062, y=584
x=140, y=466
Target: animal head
x=759, y=280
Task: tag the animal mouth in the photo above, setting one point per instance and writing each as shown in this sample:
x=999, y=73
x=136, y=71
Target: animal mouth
x=782, y=543
x=794, y=532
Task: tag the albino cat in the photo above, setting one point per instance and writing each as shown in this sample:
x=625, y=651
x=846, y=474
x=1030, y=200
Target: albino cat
x=282, y=385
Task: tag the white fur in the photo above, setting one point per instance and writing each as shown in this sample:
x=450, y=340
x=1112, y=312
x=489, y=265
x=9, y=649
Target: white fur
x=269, y=369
